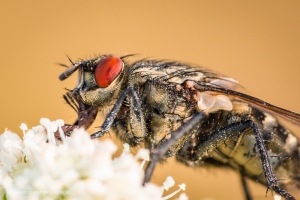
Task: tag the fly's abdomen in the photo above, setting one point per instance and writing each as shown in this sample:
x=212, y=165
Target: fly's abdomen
x=241, y=152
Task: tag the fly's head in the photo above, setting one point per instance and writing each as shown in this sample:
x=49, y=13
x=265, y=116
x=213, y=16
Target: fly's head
x=99, y=79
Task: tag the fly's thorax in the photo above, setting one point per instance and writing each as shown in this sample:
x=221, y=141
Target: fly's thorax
x=164, y=99
x=102, y=83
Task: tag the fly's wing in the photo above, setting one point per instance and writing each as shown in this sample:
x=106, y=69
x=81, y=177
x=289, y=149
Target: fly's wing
x=206, y=82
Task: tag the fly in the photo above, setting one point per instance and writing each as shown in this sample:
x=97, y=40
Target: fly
x=188, y=112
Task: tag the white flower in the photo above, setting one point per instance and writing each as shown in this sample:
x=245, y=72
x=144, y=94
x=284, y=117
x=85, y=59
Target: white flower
x=78, y=168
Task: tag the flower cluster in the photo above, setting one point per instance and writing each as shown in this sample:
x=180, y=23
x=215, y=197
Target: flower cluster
x=37, y=167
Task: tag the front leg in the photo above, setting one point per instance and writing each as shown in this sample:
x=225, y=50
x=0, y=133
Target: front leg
x=137, y=121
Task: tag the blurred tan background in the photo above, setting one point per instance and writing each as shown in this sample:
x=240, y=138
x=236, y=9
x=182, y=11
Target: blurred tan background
x=256, y=42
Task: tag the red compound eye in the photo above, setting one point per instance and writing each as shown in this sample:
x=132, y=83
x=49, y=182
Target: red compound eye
x=107, y=70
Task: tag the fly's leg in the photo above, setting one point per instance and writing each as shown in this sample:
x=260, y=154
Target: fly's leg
x=157, y=153
x=235, y=129
x=137, y=119
x=246, y=188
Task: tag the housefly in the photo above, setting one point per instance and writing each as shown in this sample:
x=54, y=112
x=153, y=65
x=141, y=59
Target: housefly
x=192, y=113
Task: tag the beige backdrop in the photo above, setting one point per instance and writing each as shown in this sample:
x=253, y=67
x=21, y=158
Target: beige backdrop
x=256, y=42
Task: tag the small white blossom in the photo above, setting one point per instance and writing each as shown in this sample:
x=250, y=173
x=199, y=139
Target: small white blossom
x=60, y=122
x=169, y=183
x=182, y=186
x=53, y=126
x=23, y=127
x=277, y=197
x=126, y=148
x=143, y=154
